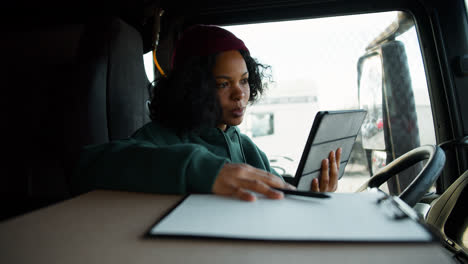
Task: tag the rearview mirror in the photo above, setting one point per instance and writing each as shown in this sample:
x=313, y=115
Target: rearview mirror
x=370, y=98
x=385, y=90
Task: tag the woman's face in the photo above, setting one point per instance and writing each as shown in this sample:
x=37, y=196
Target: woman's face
x=232, y=82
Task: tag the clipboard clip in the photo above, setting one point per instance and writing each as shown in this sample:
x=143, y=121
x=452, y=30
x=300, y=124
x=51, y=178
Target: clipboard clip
x=396, y=207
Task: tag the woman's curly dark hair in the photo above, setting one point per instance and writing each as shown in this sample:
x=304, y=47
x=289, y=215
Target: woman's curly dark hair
x=186, y=99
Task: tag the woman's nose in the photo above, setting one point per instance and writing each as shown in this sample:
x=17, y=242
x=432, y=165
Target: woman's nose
x=237, y=93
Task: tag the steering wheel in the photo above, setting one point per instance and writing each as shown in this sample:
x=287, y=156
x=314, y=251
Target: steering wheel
x=435, y=157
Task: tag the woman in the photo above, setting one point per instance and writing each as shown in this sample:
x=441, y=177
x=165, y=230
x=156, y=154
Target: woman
x=193, y=143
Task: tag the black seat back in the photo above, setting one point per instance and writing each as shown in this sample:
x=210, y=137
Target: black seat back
x=65, y=86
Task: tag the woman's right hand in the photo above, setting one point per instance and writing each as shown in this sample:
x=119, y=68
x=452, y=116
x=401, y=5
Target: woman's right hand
x=238, y=179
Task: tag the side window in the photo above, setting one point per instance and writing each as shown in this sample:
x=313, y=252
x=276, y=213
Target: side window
x=327, y=64
x=149, y=65
x=466, y=7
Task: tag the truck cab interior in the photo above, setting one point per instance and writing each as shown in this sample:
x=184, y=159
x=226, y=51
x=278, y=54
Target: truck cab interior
x=78, y=73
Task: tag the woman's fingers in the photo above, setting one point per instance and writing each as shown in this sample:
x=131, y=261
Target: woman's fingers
x=260, y=187
x=324, y=177
x=240, y=180
x=329, y=174
x=244, y=195
x=338, y=157
x=333, y=172
x=315, y=185
x=268, y=178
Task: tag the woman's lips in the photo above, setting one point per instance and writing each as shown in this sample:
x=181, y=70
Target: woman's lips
x=238, y=112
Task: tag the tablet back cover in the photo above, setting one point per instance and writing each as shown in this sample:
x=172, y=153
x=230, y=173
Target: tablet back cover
x=331, y=130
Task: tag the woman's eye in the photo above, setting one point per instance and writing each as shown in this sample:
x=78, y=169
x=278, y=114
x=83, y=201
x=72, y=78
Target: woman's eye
x=245, y=81
x=223, y=85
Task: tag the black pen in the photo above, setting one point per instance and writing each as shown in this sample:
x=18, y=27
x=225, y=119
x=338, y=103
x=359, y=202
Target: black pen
x=303, y=193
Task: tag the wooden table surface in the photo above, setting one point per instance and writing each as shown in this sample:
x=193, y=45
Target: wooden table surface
x=108, y=227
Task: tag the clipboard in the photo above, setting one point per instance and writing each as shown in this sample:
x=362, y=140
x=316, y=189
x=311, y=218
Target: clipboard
x=346, y=217
x=330, y=131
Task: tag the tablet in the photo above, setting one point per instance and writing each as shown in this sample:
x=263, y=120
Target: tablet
x=331, y=130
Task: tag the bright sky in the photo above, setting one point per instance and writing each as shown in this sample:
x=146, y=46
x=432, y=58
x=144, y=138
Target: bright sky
x=315, y=56
x=319, y=56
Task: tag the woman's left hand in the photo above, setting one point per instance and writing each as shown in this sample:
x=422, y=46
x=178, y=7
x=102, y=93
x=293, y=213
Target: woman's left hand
x=328, y=180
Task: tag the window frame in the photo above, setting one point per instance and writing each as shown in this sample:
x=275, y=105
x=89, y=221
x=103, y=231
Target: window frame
x=446, y=113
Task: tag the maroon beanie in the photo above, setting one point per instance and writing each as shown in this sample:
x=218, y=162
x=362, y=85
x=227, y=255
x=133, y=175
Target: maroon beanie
x=203, y=40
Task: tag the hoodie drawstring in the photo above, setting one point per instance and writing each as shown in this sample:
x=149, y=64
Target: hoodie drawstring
x=226, y=140
x=241, y=148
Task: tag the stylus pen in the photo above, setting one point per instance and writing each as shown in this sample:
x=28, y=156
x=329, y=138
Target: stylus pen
x=303, y=193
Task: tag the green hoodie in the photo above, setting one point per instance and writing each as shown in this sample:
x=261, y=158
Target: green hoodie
x=156, y=160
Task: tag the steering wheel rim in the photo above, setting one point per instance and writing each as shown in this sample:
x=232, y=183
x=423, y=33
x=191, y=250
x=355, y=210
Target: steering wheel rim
x=435, y=157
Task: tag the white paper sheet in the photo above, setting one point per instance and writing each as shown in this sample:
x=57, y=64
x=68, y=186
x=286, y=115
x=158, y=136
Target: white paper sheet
x=343, y=217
